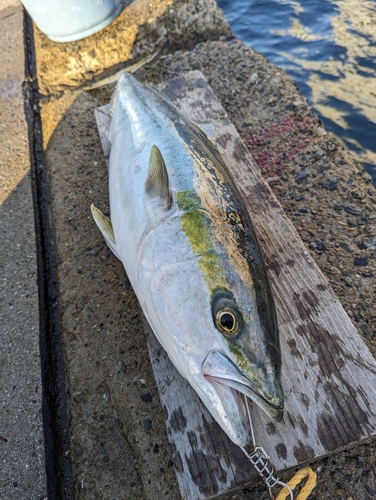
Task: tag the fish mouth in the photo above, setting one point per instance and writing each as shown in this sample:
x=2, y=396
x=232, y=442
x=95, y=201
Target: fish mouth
x=230, y=382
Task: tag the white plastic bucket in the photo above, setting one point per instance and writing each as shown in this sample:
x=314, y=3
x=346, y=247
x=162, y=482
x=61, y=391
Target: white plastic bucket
x=68, y=20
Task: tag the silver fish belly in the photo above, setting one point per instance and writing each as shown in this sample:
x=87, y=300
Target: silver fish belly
x=190, y=252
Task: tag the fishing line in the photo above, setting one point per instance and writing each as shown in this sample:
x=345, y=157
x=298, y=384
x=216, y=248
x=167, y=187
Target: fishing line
x=261, y=462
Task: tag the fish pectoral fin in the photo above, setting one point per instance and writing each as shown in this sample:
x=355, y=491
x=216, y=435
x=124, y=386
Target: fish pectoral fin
x=209, y=130
x=105, y=226
x=157, y=183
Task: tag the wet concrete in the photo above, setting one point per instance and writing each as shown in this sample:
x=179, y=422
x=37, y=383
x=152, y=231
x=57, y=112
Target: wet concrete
x=22, y=469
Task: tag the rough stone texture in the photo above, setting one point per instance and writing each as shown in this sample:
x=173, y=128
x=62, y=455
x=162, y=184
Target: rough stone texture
x=117, y=452
x=52, y=112
x=142, y=27
x=21, y=435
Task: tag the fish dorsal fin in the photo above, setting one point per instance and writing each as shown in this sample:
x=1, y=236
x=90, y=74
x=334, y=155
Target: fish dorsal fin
x=105, y=226
x=209, y=130
x=157, y=183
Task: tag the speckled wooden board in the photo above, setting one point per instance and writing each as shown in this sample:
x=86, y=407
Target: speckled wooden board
x=329, y=376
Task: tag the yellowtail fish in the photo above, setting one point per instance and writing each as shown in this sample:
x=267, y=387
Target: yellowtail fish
x=190, y=252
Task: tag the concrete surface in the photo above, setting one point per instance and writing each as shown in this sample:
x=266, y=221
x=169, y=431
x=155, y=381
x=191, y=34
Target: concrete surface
x=139, y=30
x=119, y=446
x=118, y=440
x=108, y=370
x=22, y=473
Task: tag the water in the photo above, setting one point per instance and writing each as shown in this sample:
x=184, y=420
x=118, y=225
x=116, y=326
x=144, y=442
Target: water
x=329, y=50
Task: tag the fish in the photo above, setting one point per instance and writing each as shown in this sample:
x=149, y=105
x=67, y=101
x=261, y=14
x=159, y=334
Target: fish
x=179, y=226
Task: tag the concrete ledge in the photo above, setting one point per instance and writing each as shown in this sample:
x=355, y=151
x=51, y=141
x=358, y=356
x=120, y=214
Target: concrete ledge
x=119, y=446
x=141, y=28
x=22, y=469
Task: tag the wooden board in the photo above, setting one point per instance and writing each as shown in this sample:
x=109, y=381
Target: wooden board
x=328, y=374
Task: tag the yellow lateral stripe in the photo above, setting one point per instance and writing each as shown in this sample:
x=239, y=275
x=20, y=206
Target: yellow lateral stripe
x=194, y=226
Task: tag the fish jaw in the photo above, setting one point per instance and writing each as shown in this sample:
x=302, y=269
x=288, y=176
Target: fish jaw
x=222, y=372
x=231, y=412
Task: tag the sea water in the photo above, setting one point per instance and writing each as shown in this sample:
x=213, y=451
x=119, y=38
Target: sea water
x=329, y=50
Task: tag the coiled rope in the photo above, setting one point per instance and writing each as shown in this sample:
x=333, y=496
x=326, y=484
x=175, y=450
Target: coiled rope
x=305, y=472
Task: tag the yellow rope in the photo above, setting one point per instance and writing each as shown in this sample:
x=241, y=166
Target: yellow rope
x=307, y=488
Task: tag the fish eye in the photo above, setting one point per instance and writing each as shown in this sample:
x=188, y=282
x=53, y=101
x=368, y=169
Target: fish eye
x=226, y=321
